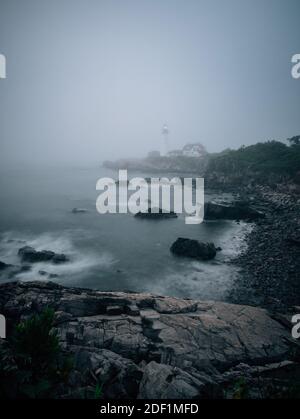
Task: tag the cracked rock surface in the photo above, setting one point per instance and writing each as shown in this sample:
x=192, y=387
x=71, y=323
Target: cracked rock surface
x=147, y=346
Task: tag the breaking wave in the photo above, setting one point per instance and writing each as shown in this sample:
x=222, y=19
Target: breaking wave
x=82, y=261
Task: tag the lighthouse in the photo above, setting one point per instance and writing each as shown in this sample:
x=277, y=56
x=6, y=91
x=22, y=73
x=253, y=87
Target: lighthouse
x=165, y=134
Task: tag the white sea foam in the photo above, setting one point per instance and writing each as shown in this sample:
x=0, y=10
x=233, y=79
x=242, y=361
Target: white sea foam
x=205, y=279
x=208, y=282
x=81, y=262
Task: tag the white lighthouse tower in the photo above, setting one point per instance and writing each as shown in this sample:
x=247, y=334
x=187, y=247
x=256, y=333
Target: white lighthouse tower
x=165, y=133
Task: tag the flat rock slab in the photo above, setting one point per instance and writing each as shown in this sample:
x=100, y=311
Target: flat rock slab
x=178, y=347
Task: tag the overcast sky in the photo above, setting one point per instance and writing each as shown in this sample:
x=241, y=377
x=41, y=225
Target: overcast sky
x=97, y=79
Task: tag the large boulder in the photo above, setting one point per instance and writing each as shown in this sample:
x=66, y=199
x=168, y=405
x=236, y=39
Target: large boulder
x=30, y=255
x=238, y=210
x=193, y=249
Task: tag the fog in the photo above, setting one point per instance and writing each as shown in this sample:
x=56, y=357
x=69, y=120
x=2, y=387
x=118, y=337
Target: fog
x=97, y=79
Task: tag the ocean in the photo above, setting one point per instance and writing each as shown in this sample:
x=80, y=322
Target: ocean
x=110, y=251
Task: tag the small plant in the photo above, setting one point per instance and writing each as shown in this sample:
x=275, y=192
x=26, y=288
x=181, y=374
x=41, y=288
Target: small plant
x=98, y=391
x=35, y=343
x=32, y=363
x=240, y=389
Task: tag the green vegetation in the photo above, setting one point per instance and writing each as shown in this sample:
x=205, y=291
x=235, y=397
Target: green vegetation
x=261, y=159
x=240, y=389
x=98, y=391
x=32, y=363
x=270, y=162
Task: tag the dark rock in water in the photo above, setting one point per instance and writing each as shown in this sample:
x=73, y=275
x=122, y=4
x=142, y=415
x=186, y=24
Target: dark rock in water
x=13, y=270
x=51, y=276
x=239, y=210
x=60, y=258
x=43, y=273
x=79, y=210
x=25, y=268
x=4, y=266
x=193, y=249
x=156, y=214
x=29, y=254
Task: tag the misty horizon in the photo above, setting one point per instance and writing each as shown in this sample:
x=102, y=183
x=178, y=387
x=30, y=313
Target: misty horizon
x=97, y=81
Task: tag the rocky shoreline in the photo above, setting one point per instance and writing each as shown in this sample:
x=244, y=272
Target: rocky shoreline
x=140, y=345
x=146, y=346
x=270, y=266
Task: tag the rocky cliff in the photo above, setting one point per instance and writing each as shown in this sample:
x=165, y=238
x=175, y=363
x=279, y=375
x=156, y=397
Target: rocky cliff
x=146, y=346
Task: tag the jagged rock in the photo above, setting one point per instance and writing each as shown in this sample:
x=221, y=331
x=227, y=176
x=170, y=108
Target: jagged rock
x=29, y=254
x=239, y=210
x=161, y=381
x=132, y=310
x=156, y=214
x=120, y=377
x=193, y=249
x=61, y=317
x=146, y=346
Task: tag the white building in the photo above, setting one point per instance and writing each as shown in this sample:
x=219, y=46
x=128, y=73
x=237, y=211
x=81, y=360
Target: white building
x=194, y=150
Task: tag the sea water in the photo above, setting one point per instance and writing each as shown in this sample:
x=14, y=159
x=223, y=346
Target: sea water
x=111, y=251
